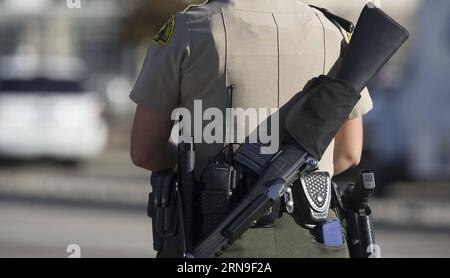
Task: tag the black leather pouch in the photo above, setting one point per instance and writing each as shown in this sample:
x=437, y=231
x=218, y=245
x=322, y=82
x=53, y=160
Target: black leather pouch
x=309, y=200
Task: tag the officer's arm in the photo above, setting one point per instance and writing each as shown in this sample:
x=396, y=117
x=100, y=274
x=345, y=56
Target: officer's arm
x=348, y=145
x=150, y=148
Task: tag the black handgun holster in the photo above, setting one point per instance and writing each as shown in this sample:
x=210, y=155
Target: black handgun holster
x=163, y=208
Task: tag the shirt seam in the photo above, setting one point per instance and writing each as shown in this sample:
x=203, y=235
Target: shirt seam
x=278, y=57
x=227, y=81
x=324, y=44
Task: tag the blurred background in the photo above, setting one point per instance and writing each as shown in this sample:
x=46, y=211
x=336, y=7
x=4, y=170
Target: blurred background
x=65, y=173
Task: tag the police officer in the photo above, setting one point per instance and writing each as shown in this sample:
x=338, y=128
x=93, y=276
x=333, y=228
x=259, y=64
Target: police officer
x=266, y=51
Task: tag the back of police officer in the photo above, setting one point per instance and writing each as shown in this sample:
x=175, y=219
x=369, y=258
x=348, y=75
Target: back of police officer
x=266, y=50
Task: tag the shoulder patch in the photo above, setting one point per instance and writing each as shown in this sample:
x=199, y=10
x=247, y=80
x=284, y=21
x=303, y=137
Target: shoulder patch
x=165, y=33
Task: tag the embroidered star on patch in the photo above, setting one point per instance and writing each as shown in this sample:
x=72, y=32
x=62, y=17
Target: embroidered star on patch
x=165, y=33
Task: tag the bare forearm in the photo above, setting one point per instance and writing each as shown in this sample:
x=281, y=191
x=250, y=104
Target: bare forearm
x=150, y=147
x=161, y=160
x=342, y=164
x=348, y=146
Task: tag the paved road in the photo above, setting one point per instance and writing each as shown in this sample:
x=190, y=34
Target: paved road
x=39, y=230
x=413, y=243
x=36, y=230
x=98, y=205
x=109, y=178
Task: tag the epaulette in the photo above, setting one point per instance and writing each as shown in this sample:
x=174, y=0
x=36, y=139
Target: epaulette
x=341, y=23
x=196, y=5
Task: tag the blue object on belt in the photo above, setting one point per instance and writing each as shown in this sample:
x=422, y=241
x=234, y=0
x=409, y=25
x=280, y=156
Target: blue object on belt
x=332, y=234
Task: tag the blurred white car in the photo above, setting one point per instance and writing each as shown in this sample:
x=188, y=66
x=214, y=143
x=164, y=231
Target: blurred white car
x=50, y=117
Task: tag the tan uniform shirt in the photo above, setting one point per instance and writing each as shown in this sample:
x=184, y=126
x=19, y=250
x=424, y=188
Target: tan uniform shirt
x=267, y=49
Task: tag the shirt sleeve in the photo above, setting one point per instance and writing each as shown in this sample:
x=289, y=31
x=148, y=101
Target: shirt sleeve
x=363, y=106
x=158, y=84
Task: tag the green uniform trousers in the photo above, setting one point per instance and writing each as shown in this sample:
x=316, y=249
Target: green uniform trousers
x=285, y=239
